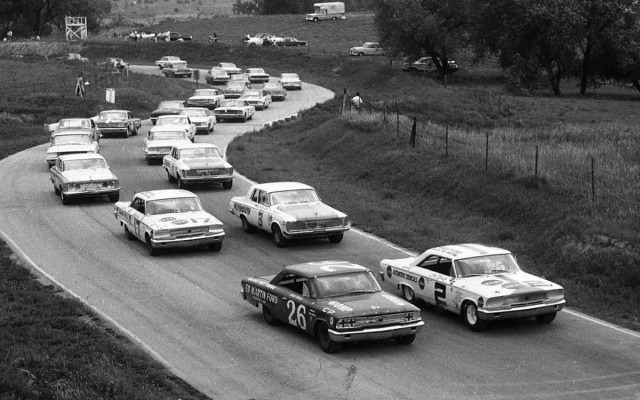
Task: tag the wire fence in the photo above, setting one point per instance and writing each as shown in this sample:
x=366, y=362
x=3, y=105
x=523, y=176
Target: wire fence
x=595, y=177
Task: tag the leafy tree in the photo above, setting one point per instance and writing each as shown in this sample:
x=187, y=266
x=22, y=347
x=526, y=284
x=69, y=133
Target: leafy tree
x=247, y=7
x=415, y=28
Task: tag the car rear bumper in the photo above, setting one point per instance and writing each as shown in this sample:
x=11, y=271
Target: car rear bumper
x=207, y=179
x=91, y=193
x=521, y=312
x=386, y=332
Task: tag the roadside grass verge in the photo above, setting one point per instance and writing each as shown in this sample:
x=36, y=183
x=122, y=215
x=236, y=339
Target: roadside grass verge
x=53, y=347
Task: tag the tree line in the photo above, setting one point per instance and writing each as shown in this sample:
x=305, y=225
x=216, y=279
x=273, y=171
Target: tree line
x=27, y=18
x=270, y=7
x=537, y=42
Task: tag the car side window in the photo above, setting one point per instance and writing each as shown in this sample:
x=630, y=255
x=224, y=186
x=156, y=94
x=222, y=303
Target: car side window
x=254, y=195
x=138, y=205
x=264, y=199
x=437, y=264
x=295, y=283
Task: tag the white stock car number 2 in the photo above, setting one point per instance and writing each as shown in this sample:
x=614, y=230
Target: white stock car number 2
x=297, y=315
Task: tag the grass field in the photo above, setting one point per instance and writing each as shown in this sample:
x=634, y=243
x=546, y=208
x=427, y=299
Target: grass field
x=451, y=187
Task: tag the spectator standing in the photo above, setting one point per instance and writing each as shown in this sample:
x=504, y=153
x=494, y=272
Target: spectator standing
x=357, y=101
x=10, y=36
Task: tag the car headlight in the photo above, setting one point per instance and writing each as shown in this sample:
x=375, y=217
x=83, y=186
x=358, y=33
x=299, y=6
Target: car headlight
x=161, y=233
x=73, y=186
x=108, y=184
x=215, y=229
x=345, y=323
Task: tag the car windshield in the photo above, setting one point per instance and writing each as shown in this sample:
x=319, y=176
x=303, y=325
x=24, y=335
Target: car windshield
x=252, y=93
x=343, y=284
x=170, y=105
x=74, y=123
x=71, y=139
x=272, y=85
x=294, y=196
x=113, y=115
x=194, y=113
x=172, y=120
x=238, y=77
x=290, y=76
x=170, y=206
x=205, y=92
x=486, y=265
x=201, y=152
x=217, y=71
x=168, y=135
x=255, y=71
x=86, y=163
x=232, y=103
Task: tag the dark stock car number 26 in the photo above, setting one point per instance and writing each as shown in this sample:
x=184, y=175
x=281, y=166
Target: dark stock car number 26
x=297, y=314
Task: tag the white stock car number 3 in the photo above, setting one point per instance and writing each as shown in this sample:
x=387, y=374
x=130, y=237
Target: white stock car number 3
x=297, y=315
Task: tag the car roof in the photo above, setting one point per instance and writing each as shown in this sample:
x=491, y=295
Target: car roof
x=164, y=194
x=114, y=111
x=79, y=156
x=193, y=109
x=323, y=268
x=466, y=250
x=195, y=145
x=280, y=186
x=73, y=131
x=168, y=128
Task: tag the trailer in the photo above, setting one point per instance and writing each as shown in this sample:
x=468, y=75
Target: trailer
x=327, y=11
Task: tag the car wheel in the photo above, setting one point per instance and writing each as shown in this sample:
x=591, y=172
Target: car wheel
x=114, y=197
x=268, y=316
x=149, y=161
x=336, y=238
x=278, y=237
x=56, y=190
x=315, y=19
x=127, y=133
x=227, y=185
x=546, y=318
x=181, y=183
x=470, y=316
x=252, y=45
x=406, y=339
x=65, y=199
x=244, y=118
x=326, y=344
x=171, y=178
x=128, y=233
x=215, y=246
x=246, y=226
x=408, y=294
x=153, y=251
x=360, y=54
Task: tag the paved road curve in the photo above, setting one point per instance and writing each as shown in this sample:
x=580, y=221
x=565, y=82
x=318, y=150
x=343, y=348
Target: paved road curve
x=185, y=306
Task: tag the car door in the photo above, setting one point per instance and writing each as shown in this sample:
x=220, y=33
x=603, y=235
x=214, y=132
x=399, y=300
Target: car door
x=438, y=275
x=294, y=301
x=56, y=173
x=137, y=214
x=255, y=216
x=171, y=161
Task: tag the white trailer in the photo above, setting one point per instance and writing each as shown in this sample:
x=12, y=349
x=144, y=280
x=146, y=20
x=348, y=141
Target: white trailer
x=326, y=11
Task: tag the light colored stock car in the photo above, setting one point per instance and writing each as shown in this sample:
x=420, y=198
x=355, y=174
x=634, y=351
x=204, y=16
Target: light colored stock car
x=257, y=98
x=118, y=123
x=178, y=121
x=71, y=141
x=161, y=140
x=480, y=283
x=257, y=75
x=197, y=163
x=209, y=98
x=291, y=81
x=229, y=68
x=201, y=117
x=275, y=89
x=83, y=175
x=166, y=60
x=234, y=109
x=288, y=210
x=335, y=301
x=169, y=218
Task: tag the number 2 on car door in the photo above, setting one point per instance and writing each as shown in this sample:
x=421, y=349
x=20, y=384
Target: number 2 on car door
x=297, y=315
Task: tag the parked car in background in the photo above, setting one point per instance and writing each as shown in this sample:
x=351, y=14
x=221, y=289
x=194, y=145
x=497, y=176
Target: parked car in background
x=290, y=81
x=83, y=175
x=230, y=68
x=428, y=65
x=161, y=140
x=70, y=141
x=256, y=97
x=335, y=301
x=216, y=76
x=209, y=98
x=116, y=63
x=234, y=109
x=257, y=75
x=169, y=218
x=173, y=36
x=288, y=210
x=167, y=107
x=178, y=121
x=367, y=49
x=260, y=39
x=275, y=89
x=202, y=118
x=76, y=57
x=118, y=123
x=197, y=163
x=289, y=41
x=478, y=282
x=177, y=70
x=166, y=60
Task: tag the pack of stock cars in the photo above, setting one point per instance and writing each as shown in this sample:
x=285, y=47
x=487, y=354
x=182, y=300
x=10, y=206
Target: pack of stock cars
x=335, y=301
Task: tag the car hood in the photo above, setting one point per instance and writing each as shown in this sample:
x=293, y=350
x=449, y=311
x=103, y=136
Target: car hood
x=62, y=148
x=515, y=283
x=183, y=220
x=224, y=109
x=110, y=120
x=199, y=119
x=98, y=174
x=205, y=97
x=200, y=163
x=357, y=305
x=309, y=210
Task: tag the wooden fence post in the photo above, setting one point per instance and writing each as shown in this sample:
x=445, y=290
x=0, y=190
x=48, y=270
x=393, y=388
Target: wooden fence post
x=536, y=164
x=412, y=139
x=486, y=153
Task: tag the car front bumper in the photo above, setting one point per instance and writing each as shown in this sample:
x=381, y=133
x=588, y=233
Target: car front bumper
x=320, y=232
x=91, y=192
x=207, y=179
x=107, y=131
x=386, y=332
x=521, y=312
